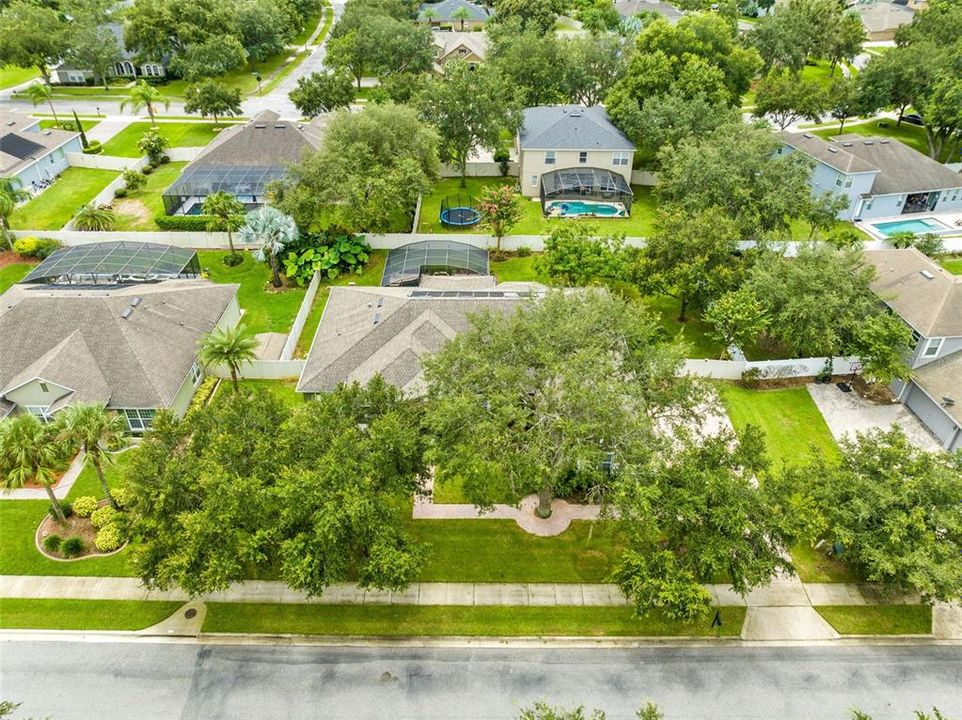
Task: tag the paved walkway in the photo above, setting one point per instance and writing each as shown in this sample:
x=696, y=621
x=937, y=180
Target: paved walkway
x=562, y=513
x=63, y=487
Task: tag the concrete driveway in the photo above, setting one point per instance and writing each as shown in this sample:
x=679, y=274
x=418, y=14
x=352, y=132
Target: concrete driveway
x=847, y=413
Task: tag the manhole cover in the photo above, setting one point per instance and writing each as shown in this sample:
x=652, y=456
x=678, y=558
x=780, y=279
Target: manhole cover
x=190, y=613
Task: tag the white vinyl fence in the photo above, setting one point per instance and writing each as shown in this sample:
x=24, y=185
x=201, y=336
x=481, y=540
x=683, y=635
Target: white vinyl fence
x=104, y=162
x=769, y=369
x=479, y=169
x=263, y=370
x=298, y=327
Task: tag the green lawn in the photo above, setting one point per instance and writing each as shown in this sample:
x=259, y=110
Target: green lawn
x=138, y=210
x=911, y=135
x=533, y=221
x=500, y=551
x=324, y=14
x=242, y=78
x=11, y=75
x=401, y=620
x=12, y=274
x=84, y=123
x=519, y=269
x=60, y=614
x=54, y=207
x=789, y=418
x=814, y=566
x=124, y=143
x=694, y=331
x=283, y=390
x=878, y=619
x=952, y=264
x=370, y=275
x=265, y=311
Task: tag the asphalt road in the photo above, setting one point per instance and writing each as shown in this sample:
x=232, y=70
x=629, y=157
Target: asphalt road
x=66, y=680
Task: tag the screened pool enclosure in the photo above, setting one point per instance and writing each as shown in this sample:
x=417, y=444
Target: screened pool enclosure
x=114, y=263
x=406, y=264
x=585, y=191
x=248, y=184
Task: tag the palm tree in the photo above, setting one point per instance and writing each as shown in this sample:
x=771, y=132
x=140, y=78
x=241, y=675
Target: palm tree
x=90, y=426
x=10, y=194
x=462, y=14
x=430, y=15
x=39, y=93
x=229, y=346
x=226, y=212
x=93, y=218
x=29, y=453
x=146, y=96
x=270, y=230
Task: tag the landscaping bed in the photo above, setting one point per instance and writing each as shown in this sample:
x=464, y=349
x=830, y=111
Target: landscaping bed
x=878, y=619
x=80, y=532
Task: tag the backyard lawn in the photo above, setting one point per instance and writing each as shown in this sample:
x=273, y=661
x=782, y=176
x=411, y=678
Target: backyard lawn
x=878, y=619
x=180, y=134
x=11, y=75
x=138, y=210
x=61, y=614
x=952, y=264
x=401, y=620
x=533, y=221
x=264, y=309
x=12, y=274
x=54, y=207
x=283, y=390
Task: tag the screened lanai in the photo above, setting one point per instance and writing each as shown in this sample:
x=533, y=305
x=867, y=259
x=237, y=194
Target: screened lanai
x=406, y=264
x=115, y=262
x=246, y=183
x=594, y=185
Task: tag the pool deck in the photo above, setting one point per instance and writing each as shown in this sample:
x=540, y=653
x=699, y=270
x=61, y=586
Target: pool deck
x=952, y=220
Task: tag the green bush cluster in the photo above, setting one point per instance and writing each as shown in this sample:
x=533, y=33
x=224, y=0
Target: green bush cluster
x=85, y=506
x=52, y=543
x=183, y=223
x=94, y=147
x=203, y=394
x=34, y=247
x=331, y=253
x=122, y=495
x=65, y=509
x=109, y=537
x=72, y=546
x=104, y=516
x=120, y=192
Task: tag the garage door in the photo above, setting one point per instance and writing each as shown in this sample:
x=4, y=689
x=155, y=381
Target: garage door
x=934, y=418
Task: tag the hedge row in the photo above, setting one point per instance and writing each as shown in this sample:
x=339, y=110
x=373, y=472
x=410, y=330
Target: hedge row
x=183, y=223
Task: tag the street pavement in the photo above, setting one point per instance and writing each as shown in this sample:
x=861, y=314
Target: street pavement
x=66, y=680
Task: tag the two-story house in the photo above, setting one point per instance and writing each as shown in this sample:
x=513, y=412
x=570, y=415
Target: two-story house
x=928, y=298
x=126, y=66
x=575, y=160
x=31, y=154
x=469, y=47
x=880, y=177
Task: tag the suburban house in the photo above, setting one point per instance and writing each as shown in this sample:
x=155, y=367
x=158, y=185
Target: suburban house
x=929, y=299
x=115, y=323
x=454, y=14
x=631, y=8
x=31, y=154
x=427, y=293
x=880, y=177
x=471, y=47
x=575, y=160
x=242, y=160
x=881, y=18
x=126, y=67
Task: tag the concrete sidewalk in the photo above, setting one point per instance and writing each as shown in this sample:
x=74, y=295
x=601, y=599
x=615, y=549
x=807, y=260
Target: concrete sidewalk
x=60, y=490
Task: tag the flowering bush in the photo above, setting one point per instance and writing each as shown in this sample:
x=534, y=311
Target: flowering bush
x=103, y=516
x=84, y=506
x=109, y=538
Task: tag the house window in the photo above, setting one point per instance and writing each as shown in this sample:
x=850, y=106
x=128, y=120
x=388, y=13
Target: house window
x=39, y=412
x=44, y=388
x=848, y=183
x=195, y=373
x=534, y=181
x=620, y=158
x=549, y=157
x=916, y=336
x=838, y=182
x=933, y=347
x=868, y=205
x=583, y=157
x=138, y=420
x=151, y=70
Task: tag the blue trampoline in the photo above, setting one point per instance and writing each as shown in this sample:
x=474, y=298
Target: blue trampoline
x=459, y=211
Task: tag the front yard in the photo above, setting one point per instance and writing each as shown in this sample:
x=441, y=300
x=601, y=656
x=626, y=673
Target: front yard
x=180, y=134
x=138, y=209
x=53, y=208
x=533, y=221
x=12, y=274
x=878, y=619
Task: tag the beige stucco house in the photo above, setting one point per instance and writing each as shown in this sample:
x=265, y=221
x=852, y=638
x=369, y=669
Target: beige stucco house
x=470, y=47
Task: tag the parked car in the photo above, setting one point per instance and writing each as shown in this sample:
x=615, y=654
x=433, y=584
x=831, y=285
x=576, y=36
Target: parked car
x=913, y=119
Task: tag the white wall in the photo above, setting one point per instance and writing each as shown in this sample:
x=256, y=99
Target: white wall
x=298, y=327
x=264, y=370
x=769, y=369
x=479, y=169
x=104, y=162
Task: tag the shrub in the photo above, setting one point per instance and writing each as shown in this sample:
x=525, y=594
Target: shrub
x=233, y=259
x=109, y=538
x=183, y=223
x=844, y=237
x=64, y=508
x=147, y=169
x=122, y=495
x=902, y=239
x=84, y=506
x=120, y=192
x=52, y=543
x=103, y=516
x=502, y=157
x=751, y=378
x=93, y=148
x=72, y=546
x=202, y=395
x=930, y=244
x=524, y=251
x=164, y=159
x=331, y=254
x=34, y=247
x=134, y=180
x=152, y=144
x=91, y=218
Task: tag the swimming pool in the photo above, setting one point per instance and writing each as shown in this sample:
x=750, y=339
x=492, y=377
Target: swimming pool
x=575, y=208
x=918, y=226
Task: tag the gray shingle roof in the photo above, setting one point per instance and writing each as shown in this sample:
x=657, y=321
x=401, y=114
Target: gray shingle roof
x=79, y=336
x=943, y=378
x=350, y=346
x=570, y=127
x=444, y=11
x=263, y=141
x=20, y=147
x=829, y=153
x=933, y=306
x=628, y=8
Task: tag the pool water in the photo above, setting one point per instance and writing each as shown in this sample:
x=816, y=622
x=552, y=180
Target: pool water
x=577, y=207
x=913, y=226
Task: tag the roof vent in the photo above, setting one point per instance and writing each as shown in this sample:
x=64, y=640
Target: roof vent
x=377, y=318
x=807, y=135
x=380, y=302
x=280, y=126
x=883, y=142
x=926, y=274
x=869, y=142
x=260, y=126
x=576, y=112
x=135, y=302
x=833, y=150
x=128, y=311
x=947, y=401
x=46, y=132
x=847, y=144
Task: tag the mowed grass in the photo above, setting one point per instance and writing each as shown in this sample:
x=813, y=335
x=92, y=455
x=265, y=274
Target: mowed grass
x=150, y=197
x=789, y=418
x=533, y=221
x=878, y=619
x=264, y=309
x=813, y=565
x=519, y=269
x=370, y=275
x=12, y=274
x=694, y=331
x=283, y=390
x=911, y=135
x=500, y=551
x=183, y=134
x=61, y=614
x=952, y=264
x=84, y=123
x=440, y=620
x=11, y=75
x=54, y=207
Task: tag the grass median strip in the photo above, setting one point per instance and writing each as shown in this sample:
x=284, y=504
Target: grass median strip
x=438, y=620
x=59, y=614
x=878, y=619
